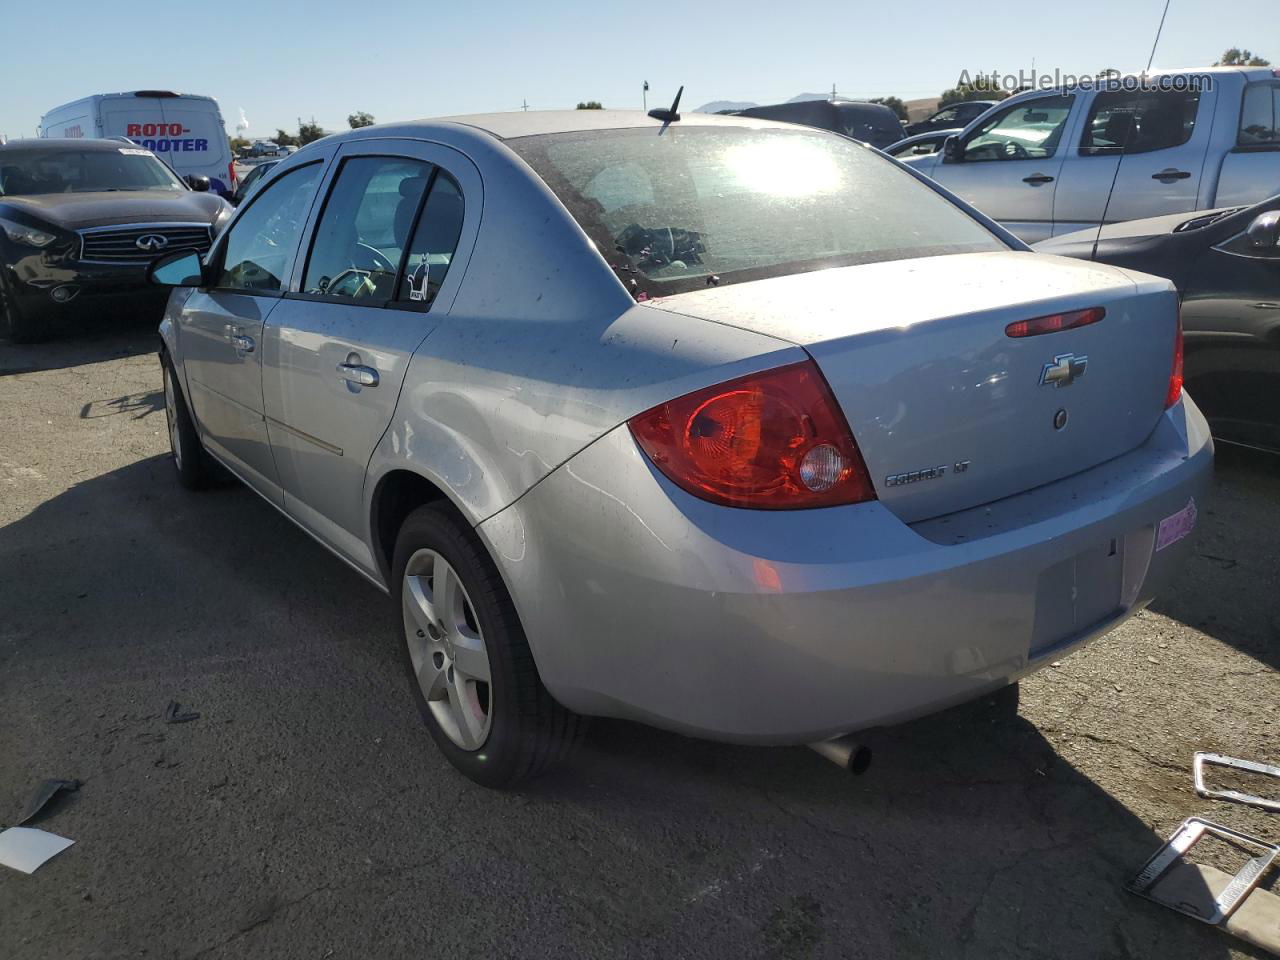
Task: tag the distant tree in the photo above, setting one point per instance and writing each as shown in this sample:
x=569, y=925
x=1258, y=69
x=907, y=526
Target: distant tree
x=894, y=104
x=309, y=132
x=591, y=105
x=979, y=88
x=285, y=139
x=360, y=119
x=239, y=145
x=1235, y=57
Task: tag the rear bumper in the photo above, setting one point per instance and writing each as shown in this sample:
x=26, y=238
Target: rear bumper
x=641, y=601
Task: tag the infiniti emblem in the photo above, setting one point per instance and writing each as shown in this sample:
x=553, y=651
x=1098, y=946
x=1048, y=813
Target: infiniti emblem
x=151, y=242
x=1064, y=370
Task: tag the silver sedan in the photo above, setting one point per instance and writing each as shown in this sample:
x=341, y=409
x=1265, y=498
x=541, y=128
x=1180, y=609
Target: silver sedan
x=732, y=427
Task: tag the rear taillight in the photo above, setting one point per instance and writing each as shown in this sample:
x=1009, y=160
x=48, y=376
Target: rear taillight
x=1054, y=322
x=231, y=175
x=774, y=441
x=1175, y=374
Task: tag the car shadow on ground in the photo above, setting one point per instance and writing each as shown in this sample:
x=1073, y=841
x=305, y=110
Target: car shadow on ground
x=317, y=815
x=108, y=338
x=1229, y=589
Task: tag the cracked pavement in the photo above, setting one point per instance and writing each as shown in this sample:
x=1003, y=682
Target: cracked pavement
x=307, y=814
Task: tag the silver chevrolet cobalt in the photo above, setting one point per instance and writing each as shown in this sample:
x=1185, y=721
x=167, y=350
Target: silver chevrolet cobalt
x=732, y=427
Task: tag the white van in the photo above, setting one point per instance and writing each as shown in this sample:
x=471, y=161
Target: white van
x=183, y=130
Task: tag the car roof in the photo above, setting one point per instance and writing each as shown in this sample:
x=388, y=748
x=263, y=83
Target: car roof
x=68, y=143
x=532, y=123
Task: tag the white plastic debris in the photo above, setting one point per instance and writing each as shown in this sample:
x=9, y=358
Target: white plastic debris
x=27, y=849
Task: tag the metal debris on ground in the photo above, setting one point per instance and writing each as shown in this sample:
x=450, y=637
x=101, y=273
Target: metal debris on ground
x=173, y=714
x=1203, y=760
x=1231, y=902
x=45, y=793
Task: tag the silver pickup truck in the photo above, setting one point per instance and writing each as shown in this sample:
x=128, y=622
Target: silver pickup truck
x=1043, y=162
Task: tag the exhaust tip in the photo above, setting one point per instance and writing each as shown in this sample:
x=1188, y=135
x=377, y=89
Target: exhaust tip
x=845, y=752
x=859, y=760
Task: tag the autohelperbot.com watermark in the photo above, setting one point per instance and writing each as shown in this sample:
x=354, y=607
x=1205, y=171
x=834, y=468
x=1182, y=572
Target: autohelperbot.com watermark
x=1109, y=80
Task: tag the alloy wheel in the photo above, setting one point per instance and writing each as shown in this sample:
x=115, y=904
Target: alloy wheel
x=447, y=649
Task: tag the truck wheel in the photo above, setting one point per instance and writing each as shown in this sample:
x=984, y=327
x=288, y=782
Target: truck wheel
x=189, y=458
x=470, y=668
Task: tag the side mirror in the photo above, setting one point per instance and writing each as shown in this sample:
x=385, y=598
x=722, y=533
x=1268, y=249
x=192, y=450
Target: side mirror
x=182, y=268
x=1264, y=231
x=952, y=149
x=198, y=184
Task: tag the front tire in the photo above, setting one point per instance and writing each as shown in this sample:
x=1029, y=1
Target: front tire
x=189, y=458
x=470, y=668
x=15, y=325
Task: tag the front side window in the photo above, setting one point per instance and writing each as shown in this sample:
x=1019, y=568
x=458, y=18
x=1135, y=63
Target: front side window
x=260, y=244
x=29, y=172
x=435, y=239
x=1029, y=131
x=364, y=228
x=1260, y=117
x=1139, y=122
x=699, y=206
x=946, y=116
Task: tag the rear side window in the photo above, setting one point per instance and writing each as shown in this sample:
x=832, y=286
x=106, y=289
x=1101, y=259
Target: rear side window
x=259, y=247
x=1031, y=130
x=700, y=206
x=434, y=242
x=364, y=228
x=1139, y=122
x=1260, y=118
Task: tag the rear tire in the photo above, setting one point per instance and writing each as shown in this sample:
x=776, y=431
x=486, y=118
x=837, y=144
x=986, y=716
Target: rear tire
x=194, y=466
x=469, y=665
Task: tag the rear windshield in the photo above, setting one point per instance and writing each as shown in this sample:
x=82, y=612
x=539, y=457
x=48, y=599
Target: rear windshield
x=83, y=171
x=697, y=206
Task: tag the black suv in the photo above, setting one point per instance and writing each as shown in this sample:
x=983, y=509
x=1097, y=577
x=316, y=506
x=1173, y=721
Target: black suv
x=81, y=220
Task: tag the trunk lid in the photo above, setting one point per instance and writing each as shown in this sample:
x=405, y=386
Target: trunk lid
x=948, y=410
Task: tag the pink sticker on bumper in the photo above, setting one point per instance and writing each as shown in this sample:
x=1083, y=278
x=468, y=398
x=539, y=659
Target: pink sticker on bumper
x=1173, y=528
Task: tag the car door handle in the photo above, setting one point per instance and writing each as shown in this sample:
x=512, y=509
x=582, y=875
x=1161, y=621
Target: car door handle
x=1170, y=175
x=242, y=343
x=358, y=374
x=1037, y=178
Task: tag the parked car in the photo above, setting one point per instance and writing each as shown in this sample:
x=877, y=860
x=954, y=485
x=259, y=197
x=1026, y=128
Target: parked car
x=184, y=129
x=1044, y=162
x=872, y=123
x=1226, y=266
x=920, y=145
x=251, y=179
x=619, y=440
x=951, y=117
x=80, y=221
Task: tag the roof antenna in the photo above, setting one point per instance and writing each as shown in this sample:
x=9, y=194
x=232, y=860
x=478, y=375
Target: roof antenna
x=670, y=115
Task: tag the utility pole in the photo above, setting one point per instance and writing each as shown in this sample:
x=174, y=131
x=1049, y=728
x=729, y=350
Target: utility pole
x=833, y=91
x=524, y=105
x=644, y=95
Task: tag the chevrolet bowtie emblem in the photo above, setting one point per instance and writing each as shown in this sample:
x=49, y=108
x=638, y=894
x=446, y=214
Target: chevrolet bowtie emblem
x=1064, y=370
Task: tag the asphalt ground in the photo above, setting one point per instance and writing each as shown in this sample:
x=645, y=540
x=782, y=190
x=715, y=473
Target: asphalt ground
x=307, y=814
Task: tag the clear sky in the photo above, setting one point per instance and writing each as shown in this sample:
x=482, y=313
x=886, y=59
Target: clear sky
x=400, y=60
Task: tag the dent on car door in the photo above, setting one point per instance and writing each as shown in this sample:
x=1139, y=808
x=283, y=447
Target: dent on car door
x=1008, y=166
x=1150, y=144
x=220, y=328
x=381, y=270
